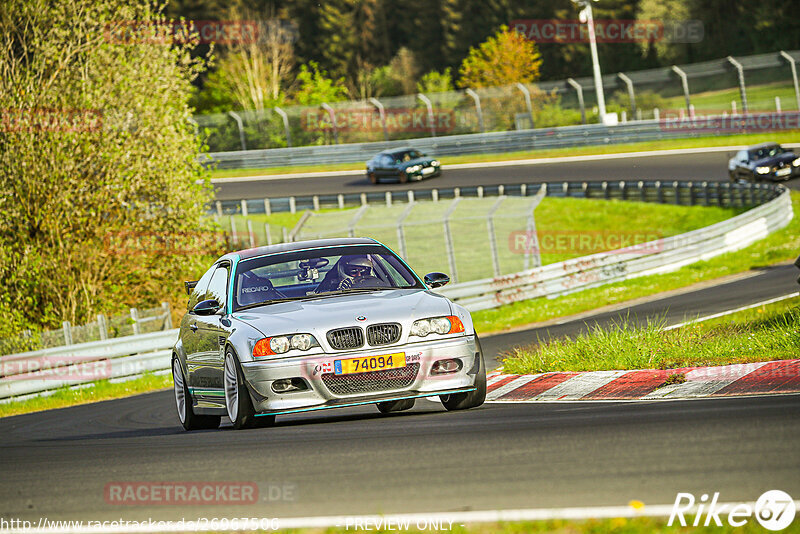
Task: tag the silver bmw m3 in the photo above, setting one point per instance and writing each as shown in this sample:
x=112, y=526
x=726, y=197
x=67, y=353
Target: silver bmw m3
x=321, y=324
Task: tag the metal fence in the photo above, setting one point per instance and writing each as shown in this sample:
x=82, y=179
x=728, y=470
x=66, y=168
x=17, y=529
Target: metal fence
x=49, y=369
x=646, y=94
x=138, y=321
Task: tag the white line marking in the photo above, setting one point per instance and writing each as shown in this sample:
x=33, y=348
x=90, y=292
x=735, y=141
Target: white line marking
x=511, y=386
x=580, y=385
x=728, y=312
x=447, y=518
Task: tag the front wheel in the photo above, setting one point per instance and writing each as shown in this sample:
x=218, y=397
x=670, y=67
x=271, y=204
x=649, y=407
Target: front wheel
x=183, y=400
x=373, y=178
x=237, y=399
x=471, y=399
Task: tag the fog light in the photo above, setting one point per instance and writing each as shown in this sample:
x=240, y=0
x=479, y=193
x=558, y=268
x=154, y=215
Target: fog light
x=287, y=385
x=442, y=367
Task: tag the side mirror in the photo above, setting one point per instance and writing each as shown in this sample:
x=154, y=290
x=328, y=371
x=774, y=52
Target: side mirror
x=433, y=280
x=190, y=285
x=206, y=307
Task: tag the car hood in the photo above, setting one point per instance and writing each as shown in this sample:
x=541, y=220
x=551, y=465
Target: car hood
x=786, y=157
x=418, y=161
x=318, y=315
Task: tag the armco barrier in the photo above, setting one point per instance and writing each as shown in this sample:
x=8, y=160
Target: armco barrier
x=35, y=372
x=519, y=140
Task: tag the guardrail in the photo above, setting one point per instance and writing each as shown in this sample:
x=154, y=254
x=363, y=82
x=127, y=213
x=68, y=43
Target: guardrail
x=49, y=369
x=608, y=267
x=497, y=142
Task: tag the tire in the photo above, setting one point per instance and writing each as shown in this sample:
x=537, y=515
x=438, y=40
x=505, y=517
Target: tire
x=237, y=398
x=372, y=178
x=395, y=406
x=471, y=399
x=403, y=177
x=183, y=401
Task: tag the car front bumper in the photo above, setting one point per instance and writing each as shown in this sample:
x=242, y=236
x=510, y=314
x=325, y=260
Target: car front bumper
x=326, y=390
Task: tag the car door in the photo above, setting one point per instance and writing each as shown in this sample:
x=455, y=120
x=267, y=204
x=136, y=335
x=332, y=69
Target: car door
x=206, y=366
x=188, y=331
x=386, y=166
x=742, y=170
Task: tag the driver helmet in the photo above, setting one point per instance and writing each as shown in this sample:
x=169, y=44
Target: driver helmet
x=355, y=267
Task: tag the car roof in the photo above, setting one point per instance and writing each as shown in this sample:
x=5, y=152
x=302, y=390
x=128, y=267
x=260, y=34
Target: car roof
x=299, y=245
x=392, y=151
x=762, y=145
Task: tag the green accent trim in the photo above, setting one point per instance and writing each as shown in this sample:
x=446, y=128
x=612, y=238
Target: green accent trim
x=234, y=263
x=206, y=392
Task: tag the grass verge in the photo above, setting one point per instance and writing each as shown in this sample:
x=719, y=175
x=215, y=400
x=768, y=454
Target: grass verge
x=767, y=333
x=777, y=247
x=711, y=141
x=96, y=391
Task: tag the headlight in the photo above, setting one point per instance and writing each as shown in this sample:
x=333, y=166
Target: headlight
x=762, y=170
x=413, y=169
x=437, y=325
x=435, y=163
x=270, y=346
x=796, y=162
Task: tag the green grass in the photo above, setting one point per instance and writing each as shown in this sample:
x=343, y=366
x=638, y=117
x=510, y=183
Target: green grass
x=768, y=333
x=97, y=391
x=637, y=525
x=710, y=141
x=759, y=98
x=775, y=248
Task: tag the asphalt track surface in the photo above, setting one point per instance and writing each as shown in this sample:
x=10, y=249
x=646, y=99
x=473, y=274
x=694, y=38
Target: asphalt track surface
x=711, y=166
x=354, y=461
x=57, y=464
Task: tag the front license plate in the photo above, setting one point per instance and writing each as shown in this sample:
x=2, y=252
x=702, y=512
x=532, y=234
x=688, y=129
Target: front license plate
x=369, y=363
x=427, y=170
x=783, y=172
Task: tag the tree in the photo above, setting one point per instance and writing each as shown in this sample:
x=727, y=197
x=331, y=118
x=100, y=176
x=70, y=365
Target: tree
x=315, y=87
x=99, y=200
x=436, y=82
x=503, y=59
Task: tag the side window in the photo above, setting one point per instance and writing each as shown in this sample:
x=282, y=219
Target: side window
x=218, y=287
x=200, y=288
x=386, y=161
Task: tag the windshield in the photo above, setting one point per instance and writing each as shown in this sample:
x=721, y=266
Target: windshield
x=408, y=155
x=311, y=273
x=766, y=152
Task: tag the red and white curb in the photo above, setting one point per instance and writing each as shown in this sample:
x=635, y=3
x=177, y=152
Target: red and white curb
x=648, y=384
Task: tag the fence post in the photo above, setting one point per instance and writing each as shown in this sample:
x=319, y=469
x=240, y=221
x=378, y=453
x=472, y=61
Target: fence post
x=411, y=196
x=527, y=93
x=351, y=225
x=382, y=112
x=642, y=193
x=299, y=226
x=427, y=102
x=604, y=185
x=250, y=235
x=234, y=237
x=685, y=83
x=286, y=129
x=705, y=194
x=691, y=193
x=793, y=66
x=363, y=199
x=778, y=104
x=268, y=233
x=167, y=315
x=340, y=201
x=493, y=237
x=659, y=192
x=677, y=192
x=434, y=195
x=332, y=115
x=219, y=208
x=579, y=90
x=67, y=329
x=240, y=124
x=102, y=326
x=388, y=197
x=292, y=205
x=631, y=94
x=478, y=109
x=531, y=230
x=742, y=89
x=267, y=207
x=135, y=318
x=285, y=234
x=448, y=239
x=244, y=207
x=315, y=202
x=401, y=235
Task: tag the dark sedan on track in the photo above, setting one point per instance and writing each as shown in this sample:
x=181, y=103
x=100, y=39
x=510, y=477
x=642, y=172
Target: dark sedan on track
x=767, y=161
x=403, y=165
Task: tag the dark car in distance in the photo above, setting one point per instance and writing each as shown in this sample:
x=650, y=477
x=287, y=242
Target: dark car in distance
x=765, y=161
x=403, y=165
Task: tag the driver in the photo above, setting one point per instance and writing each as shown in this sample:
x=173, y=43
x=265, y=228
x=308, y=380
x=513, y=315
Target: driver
x=353, y=270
